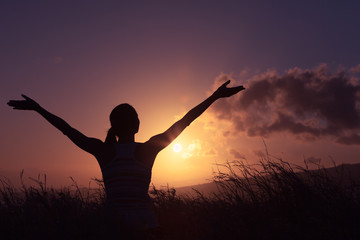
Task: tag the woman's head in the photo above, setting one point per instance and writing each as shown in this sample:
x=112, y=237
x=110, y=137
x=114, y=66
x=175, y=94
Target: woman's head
x=124, y=121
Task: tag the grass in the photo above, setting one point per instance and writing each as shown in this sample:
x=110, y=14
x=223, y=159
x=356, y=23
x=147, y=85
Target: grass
x=270, y=200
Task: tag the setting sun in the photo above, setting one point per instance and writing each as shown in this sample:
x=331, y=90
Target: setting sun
x=177, y=147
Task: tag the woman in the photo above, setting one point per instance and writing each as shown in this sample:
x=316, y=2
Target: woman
x=125, y=164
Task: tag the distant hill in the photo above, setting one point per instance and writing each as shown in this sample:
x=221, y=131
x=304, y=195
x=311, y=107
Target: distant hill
x=343, y=172
x=205, y=188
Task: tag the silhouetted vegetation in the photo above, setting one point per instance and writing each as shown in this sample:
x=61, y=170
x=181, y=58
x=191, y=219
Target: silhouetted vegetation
x=269, y=200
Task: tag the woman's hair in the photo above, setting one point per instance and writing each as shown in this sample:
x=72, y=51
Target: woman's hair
x=124, y=121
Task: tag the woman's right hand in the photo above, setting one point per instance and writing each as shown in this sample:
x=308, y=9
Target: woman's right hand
x=27, y=104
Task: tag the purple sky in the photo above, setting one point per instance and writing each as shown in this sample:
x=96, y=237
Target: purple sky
x=79, y=59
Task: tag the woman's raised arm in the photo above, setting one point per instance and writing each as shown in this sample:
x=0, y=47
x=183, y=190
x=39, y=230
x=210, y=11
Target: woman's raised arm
x=164, y=139
x=91, y=145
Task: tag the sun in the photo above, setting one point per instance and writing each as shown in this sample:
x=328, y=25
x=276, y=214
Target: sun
x=177, y=147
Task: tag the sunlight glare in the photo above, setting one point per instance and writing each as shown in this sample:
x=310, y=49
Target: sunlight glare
x=177, y=147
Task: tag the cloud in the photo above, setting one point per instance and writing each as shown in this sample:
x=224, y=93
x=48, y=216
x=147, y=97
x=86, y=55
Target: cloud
x=193, y=148
x=210, y=153
x=355, y=69
x=353, y=139
x=309, y=104
x=236, y=154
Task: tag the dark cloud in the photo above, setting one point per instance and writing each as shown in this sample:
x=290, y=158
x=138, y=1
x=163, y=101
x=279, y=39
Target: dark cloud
x=306, y=103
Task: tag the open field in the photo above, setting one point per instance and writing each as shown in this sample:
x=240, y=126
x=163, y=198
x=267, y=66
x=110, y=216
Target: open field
x=272, y=200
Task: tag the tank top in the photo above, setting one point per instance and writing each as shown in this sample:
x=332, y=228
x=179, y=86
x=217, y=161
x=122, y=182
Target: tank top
x=126, y=179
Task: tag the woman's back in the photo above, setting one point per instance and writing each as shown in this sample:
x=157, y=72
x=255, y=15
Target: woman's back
x=126, y=178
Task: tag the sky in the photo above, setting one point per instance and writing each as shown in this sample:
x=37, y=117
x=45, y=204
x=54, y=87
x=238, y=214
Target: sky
x=298, y=60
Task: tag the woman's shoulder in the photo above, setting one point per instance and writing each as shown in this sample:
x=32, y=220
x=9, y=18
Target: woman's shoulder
x=145, y=153
x=107, y=154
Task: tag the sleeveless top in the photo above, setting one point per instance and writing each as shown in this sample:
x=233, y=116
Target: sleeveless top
x=126, y=179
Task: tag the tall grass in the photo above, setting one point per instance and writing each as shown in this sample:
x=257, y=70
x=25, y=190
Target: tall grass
x=270, y=200
x=39, y=212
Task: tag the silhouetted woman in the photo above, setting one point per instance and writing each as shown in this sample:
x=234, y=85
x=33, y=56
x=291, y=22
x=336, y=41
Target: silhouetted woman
x=125, y=164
